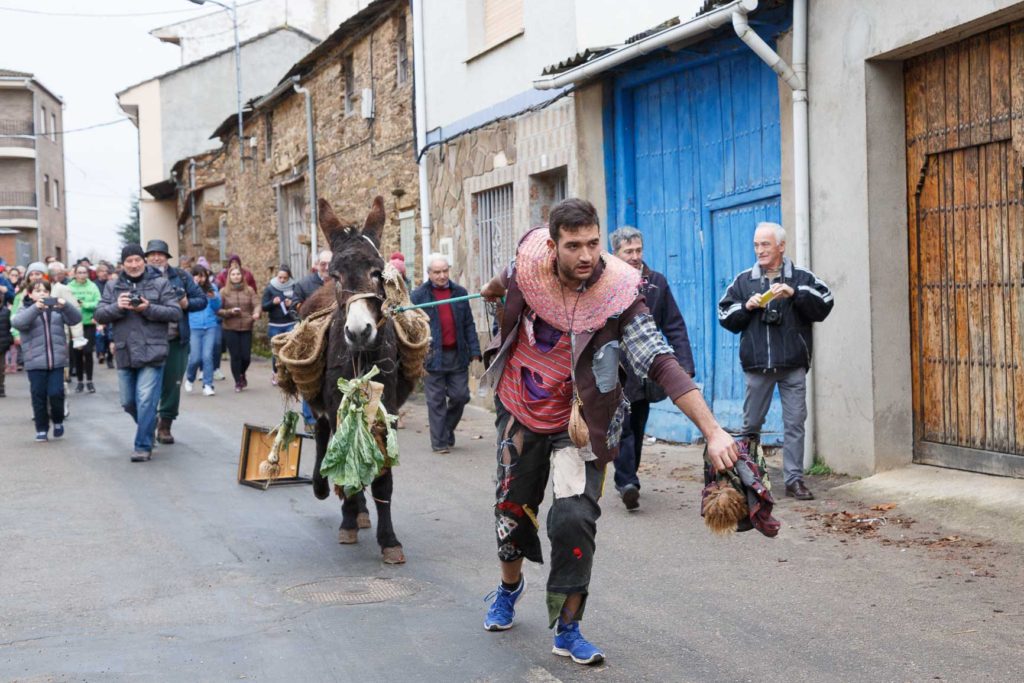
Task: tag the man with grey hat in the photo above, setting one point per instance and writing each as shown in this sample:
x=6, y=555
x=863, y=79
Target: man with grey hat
x=139, y=306
x=190, y=299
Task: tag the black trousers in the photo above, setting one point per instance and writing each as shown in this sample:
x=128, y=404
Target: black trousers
x=47, y=390
x=240, y=349
x=81, y=359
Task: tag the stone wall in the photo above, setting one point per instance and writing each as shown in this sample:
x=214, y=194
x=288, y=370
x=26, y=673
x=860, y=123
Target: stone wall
x=535, y=153
x=357, y=158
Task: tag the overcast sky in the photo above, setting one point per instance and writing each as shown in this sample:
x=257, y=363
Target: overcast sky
x=85, y=59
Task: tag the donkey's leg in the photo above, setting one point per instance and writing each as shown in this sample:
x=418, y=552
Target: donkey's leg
x=382, y=488
x=363, y=518
x=349, y=529
x=321, y=487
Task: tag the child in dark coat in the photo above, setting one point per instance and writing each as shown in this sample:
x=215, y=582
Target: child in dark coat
x=41, y=321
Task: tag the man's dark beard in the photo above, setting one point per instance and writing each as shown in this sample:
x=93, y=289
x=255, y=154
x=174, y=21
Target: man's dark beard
x=567, y=276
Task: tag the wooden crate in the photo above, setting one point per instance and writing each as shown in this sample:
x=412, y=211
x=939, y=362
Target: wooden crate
x=256, y=444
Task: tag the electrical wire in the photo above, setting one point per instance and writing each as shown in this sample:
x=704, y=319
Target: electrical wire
x=97, y=16
x=79, y=130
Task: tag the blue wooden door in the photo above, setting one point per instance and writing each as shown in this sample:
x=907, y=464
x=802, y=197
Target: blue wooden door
x=697, y=165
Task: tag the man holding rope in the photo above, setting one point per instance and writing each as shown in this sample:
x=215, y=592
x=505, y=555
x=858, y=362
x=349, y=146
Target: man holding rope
x=570, y=312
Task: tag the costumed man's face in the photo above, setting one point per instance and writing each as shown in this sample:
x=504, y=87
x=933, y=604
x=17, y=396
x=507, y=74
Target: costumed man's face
x=768, y=249
x=135, y=265
x=577, y=253
x=632, y=252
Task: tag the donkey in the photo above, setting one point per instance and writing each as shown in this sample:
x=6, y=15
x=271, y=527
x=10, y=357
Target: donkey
x=359, y=337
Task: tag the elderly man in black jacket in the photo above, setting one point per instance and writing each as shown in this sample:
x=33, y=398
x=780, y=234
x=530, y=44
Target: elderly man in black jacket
x=453, y=344
x=772, y=307
x=628, y=245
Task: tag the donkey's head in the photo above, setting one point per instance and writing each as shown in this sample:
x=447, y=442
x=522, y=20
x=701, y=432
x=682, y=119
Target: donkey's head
x=357, y=269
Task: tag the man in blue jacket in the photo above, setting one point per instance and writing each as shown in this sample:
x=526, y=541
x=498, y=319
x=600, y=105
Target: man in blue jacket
x=628, y=245
x=191, y=299
x=453, y=344
x=772, y=307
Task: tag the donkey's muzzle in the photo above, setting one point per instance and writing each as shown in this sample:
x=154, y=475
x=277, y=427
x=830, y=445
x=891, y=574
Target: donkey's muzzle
x=360, y=338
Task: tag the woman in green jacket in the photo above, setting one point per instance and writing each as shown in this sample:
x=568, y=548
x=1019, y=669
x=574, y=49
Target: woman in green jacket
x=88, y=295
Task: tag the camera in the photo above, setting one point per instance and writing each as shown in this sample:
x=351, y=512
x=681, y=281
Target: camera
x=135, y=301
x=771, y=316
x=50, y=301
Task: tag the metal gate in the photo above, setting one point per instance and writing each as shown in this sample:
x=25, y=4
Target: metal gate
x=966, y=233
x=698, y=165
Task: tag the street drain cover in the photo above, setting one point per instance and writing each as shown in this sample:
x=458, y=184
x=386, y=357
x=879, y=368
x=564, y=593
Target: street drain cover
x=353, y=590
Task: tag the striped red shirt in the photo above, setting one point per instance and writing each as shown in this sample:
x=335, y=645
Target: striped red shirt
x=536, y=385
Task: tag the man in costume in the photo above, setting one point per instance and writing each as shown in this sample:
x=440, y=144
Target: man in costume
x=772, y=306
x=570, y=312
x=628, y=245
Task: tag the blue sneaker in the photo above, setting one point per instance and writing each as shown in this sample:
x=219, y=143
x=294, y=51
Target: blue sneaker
x=503, y=610
x=41, y=436
x=58, y=430
x=569, y=642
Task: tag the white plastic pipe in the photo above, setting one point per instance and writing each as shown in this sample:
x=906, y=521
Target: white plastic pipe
x=314, y=209
x=419, y=83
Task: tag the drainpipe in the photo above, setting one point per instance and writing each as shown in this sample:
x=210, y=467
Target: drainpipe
x=796, y=78
x=192, y=197
x=419, y=86
x=314, y=212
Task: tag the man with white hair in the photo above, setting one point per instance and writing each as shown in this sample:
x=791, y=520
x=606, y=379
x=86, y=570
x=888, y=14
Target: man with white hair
x=772, y=307
x=453, y=344
x=628, y=245
x=315, y=280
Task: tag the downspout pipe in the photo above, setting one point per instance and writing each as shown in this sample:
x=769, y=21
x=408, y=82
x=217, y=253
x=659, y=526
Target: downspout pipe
x=796, y=78
x=192, y=196
x=419, y=86
x=314, y=212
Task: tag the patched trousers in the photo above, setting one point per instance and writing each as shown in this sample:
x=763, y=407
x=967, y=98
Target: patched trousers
x=526, y=460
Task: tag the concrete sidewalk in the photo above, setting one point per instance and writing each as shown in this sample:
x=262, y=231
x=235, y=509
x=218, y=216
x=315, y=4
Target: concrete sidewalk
x=979, y=504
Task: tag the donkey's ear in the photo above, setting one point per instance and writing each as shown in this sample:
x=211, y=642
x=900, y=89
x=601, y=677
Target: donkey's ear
x=374, y=226
x=329, y=223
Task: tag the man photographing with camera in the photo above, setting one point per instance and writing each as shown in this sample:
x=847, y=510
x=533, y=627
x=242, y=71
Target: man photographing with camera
x=139, y=306
x=772, y=306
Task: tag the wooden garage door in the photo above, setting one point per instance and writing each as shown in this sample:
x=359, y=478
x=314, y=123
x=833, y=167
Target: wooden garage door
x=964, y=129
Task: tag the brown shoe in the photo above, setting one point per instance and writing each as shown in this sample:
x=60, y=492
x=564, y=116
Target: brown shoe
x=799, y=491
x=163, y=431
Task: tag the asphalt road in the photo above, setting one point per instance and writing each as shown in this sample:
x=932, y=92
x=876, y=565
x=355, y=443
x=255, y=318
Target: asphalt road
x=170, y=570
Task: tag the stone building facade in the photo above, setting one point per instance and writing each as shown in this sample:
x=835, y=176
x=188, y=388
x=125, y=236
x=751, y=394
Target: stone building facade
x=201, y=207
x=360, y=79
x=490, y=185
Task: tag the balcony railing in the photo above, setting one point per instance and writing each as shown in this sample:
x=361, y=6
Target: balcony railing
x=10, y=199
x=16, y=127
